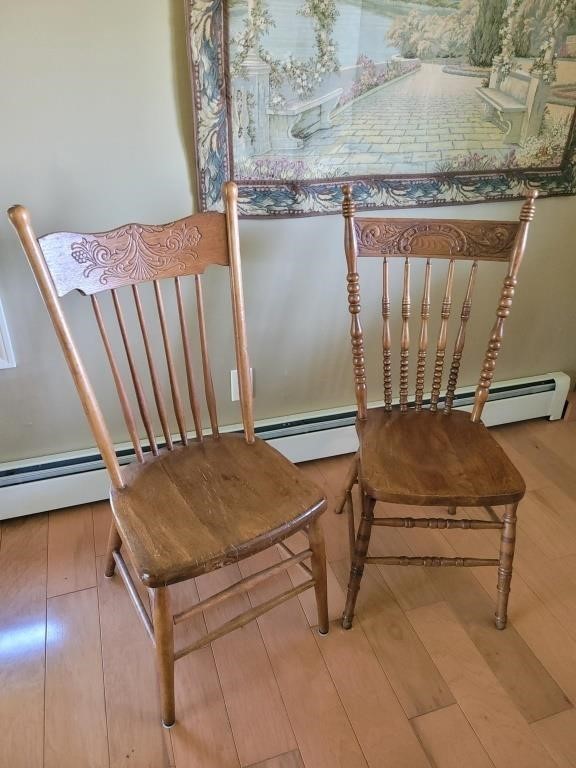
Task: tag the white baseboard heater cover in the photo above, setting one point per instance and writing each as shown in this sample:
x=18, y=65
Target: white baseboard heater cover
x=54, y=482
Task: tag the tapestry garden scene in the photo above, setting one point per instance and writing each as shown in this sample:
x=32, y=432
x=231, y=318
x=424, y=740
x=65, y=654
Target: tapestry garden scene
x=326, y=89
x=418, y=102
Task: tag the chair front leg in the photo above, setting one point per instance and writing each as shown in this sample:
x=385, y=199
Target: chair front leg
x=351, y=526
x=360, y=551
x=164, y=641
x=318, y=562
x=507, y=545
x=114, y=544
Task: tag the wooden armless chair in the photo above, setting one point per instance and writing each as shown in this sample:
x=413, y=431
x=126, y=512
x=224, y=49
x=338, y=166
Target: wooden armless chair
x=421, y=452
x=188, y=504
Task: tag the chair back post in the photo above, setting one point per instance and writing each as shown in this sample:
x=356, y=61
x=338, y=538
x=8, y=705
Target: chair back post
x=356, y=336
x=504, y=306
x=20, y=219
x=230, y=194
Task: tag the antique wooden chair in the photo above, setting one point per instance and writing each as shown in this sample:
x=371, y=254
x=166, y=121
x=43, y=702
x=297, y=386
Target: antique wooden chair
x=188, y=504
x=425, y=453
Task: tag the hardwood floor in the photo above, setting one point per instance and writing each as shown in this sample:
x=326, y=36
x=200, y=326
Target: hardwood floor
x=423, y=680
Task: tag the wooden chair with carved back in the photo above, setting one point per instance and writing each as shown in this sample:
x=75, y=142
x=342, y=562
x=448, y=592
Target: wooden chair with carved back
x=420, y=451
x=189, y=503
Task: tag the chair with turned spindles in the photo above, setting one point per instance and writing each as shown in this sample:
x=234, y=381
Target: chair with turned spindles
x=421, y=451
x=193, y=502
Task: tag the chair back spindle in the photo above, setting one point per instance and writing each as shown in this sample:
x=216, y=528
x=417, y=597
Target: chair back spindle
x=442, y=337
x=423, y=340
x=206, y=368
x=120, y=388
x=460, y=340
x=128, y=256
x=136, y=381
x=405, y=340
x=411, y=239
x=386, y=338
x=157, y=392
x=174, y=389
x=188, y=360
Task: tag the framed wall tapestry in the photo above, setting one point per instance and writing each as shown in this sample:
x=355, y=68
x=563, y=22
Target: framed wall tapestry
x=420, y=102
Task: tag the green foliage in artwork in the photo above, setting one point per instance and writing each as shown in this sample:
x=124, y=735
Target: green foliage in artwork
x=256, y=25
x=485, y=41
x=534, y=28
x=429, y=36
x=303, y=75
x=548, y=147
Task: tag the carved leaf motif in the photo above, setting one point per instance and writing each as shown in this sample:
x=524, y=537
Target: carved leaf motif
x=137, y=252
x=434, y=237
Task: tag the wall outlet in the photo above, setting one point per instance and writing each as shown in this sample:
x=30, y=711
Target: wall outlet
x=234, y=388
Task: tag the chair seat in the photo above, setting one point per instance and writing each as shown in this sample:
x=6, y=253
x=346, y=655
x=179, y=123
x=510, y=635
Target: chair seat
x=424, y=458
x=208, y=504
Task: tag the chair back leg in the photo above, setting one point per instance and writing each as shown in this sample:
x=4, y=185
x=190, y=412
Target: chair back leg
x=164, y=641
x=351, y=480
x=318, y=563
x=360, y=551
x=114, y=544
x=507, y=545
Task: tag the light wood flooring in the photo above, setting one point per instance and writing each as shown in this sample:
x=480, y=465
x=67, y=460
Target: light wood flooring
x=423, y=679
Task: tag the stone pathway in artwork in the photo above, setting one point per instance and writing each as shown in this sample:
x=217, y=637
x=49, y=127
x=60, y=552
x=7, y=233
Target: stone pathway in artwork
x=420, y=122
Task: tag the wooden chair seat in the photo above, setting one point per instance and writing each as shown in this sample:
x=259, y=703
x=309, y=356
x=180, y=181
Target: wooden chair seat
x=425, y=458
x=208, y=504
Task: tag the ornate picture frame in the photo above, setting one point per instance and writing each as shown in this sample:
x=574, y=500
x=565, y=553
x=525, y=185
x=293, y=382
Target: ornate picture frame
x=423, y=109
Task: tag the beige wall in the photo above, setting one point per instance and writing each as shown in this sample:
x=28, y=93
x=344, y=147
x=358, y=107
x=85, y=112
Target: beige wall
x=96, y=131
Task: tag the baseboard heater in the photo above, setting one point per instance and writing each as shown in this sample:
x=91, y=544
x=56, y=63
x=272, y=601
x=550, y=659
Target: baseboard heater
x=53, y=482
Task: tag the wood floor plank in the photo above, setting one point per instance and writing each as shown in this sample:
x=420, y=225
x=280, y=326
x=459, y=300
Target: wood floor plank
x=255, y=708
x=528, y=614
x=549, y=518
x=449, y=739
x=71, y=558
x=411, y=587
x=556, y=589
x=102, y=517
x=528, y=466
x=527, y=441
x=133, y=715
x=530, y=686
x=23, y=557
x=75, y=731
x=324, y=735
x=416, y=680
x=558, y=734
x=287, y=760
x=559, y=437
x=504, y=733
x=202, y=736
x=379, y=722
